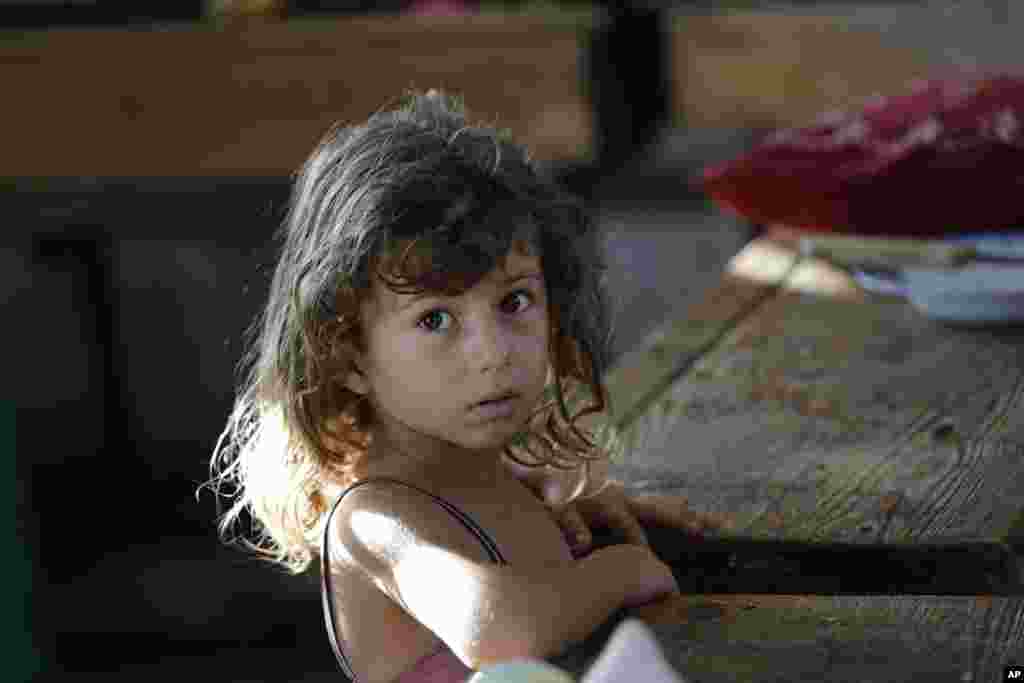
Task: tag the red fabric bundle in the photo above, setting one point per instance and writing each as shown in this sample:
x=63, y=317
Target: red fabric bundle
x=949, y=157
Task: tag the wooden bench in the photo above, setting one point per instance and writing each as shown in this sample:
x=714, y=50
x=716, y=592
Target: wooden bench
x=252, y=98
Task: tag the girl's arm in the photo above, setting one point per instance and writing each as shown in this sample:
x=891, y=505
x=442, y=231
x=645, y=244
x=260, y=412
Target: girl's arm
x=605, y=503
x=433, y=567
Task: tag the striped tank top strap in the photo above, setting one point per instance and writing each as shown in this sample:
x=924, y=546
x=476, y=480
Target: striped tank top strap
x=326, y=593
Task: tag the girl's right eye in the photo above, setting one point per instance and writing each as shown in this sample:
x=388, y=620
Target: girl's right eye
x=430, y=315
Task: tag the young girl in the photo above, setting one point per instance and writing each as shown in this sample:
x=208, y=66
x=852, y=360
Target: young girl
x=436, y=309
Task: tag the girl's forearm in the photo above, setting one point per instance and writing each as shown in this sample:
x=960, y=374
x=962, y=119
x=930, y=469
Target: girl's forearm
x=540, y=615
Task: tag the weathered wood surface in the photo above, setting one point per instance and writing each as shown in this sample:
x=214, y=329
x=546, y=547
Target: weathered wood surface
x=803, y=409
x=800, y=638
x=737, y=638
x=839, y=430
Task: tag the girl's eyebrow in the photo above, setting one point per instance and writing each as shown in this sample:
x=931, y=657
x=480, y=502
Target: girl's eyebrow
x=522, y=276
x=427, y=295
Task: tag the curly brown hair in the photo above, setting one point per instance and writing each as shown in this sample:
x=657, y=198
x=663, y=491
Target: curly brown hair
x=408, y=193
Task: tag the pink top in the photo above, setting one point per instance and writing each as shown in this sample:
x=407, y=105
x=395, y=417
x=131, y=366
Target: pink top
x=442, y=666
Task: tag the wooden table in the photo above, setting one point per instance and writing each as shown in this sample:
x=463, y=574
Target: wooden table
x=819, y=419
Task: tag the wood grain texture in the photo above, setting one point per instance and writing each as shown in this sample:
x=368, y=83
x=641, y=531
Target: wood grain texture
x=781, y=637
x=812, y=638
x=804, y=410
x=832, y=417
x=639, y=379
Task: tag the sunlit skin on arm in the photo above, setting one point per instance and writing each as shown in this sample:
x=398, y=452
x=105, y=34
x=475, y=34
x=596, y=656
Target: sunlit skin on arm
x=490, y=613
x=463, y=599
x=427, y=566
x=484, y=612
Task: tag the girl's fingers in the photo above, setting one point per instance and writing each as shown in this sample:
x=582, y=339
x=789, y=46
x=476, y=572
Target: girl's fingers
x=635, y=533
x=574, y=528
x=629, y=526
x=674, y=511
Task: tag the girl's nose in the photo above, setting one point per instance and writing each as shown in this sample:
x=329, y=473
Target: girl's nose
x=493, y=343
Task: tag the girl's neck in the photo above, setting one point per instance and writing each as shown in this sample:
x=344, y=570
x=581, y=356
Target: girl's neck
x=390, y=458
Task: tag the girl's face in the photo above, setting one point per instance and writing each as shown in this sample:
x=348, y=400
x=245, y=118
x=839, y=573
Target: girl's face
x=431, y=359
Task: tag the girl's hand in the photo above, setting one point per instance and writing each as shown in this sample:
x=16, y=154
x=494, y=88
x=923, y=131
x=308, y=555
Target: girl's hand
x=622, y=513
x=611, y=508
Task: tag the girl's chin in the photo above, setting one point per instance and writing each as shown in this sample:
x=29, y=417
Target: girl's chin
x=493, y=441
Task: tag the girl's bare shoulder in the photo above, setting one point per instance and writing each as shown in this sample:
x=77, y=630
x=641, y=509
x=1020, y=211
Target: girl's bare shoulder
x=385, y=519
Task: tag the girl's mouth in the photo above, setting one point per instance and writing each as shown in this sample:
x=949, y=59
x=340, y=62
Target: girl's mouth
x=496, y=409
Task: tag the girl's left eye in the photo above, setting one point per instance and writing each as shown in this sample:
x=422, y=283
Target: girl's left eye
x=432, y=315
x=527, y=293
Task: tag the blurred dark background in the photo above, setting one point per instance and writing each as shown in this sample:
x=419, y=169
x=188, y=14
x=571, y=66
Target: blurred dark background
x=147, y=155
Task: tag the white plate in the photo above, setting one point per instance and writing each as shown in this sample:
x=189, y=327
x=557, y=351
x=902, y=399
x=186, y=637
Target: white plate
x=981, y=293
